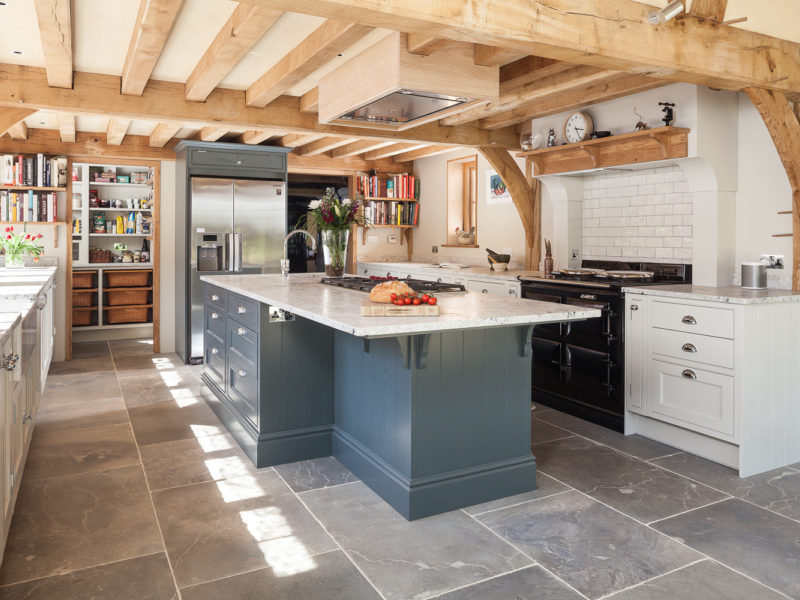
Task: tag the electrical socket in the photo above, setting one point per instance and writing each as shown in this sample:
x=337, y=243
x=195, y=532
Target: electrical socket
x=774, y=261
x=434, y=249
x=391, y=239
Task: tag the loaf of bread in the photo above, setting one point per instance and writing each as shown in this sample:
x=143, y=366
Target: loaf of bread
x=383, y=291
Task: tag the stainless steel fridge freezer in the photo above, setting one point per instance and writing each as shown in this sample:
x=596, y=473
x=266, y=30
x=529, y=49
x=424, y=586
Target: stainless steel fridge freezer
x=235, y=226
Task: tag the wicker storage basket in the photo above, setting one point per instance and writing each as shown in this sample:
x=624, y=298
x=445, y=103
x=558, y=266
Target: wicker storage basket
x=99, y=256
x=83, y=279
x=128, y=314
x=81, y=316
x=83, y=298
x=123, y=297
x=133, y=278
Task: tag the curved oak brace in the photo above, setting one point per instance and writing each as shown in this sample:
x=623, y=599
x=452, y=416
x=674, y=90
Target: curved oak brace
x=526, y=194
x=9, y=117
x=784, y=128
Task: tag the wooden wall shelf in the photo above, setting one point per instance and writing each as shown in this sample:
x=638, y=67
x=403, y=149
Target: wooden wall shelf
x=629, y=148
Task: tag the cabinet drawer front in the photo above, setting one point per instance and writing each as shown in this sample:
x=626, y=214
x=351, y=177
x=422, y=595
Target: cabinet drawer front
x=693, y=319
x=693, y=398
x=486, y=287
x=243, y=388
x=243, y=342
x=214, y=320
x=693, y=348
x=244, y=310
x=216, y=296
x=220, y=158
x=214, y=358
x=260, y=160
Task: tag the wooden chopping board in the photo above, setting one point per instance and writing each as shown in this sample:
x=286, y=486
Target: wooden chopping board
x=380, y=309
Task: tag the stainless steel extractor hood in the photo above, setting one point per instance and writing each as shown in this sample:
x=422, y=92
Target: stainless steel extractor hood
x=387, y=86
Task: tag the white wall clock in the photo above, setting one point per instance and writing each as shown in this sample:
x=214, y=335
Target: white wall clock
x=578, y=127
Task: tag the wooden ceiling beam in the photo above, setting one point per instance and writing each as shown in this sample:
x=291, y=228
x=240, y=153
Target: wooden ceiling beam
x=253, y=136
x=55, y=29
x=360, y=147
x=10, y=116
x=116, y=130
x=322, y=146
x=309, y=102
x=212, y=134
x=573, y=99
x=295, y=140
x=514, y=94
x=163, y=133
x=18, y=131
x=492, y=56
x=48, y=141
x=238, y=35
x=388, y=151
x=323, y=45
x=324, y=164
x=153, y=26
x=66, y=126
x=422, y=153
x=709, y=9
x=425, y=44
x=162, y=101
x=610, y=34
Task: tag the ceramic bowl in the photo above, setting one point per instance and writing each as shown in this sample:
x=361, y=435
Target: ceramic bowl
x=500, y=266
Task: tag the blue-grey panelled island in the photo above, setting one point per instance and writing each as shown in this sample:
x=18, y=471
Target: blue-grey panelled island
x=432, y=413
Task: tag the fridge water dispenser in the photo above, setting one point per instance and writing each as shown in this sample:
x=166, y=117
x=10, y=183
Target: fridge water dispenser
x=210, y=252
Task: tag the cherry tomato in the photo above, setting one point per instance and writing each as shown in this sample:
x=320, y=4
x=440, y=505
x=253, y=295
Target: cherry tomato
x=425, y=297
x=431, y=301
x=393, y=296
x=416, y=301
x=407, y=301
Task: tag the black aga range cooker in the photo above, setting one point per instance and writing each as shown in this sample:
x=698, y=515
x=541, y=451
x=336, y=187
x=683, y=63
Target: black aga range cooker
x=579, y=367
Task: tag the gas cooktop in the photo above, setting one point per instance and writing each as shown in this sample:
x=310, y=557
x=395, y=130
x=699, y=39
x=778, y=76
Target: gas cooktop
x=365, y=284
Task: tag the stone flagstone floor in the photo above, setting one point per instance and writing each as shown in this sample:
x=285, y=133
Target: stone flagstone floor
x=134, y=490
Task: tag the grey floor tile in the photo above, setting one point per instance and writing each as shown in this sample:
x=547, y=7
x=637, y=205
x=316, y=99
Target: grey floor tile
x=327, y=576
x=705, y=580
x=80, y=450
x=126, y=348
x=533, y=583
x=76, y=414
x=588, y=545
x=90, y=350
x=174, y=420
x=142, y=578
x=314, y=474
x=150, y=387
x=635, y=445
x=218, y=529
x=777, y=490
x=746, y=538
x=632, y=486
x=410, y=559
x=78, y=366
x=77, y=521
x=546, y=486
x=81, y=387
x=194, y=460
x=542, y=431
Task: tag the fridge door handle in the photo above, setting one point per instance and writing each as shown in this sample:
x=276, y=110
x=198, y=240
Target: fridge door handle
x=236, y=244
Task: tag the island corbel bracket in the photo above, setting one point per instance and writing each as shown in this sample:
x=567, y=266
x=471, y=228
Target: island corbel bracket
x=526, y=340
x=406, y=348
x=423, y=345
x=414, y=349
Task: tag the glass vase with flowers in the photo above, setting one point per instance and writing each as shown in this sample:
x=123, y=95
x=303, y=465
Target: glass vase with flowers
x=332, y=216
x=18, y=245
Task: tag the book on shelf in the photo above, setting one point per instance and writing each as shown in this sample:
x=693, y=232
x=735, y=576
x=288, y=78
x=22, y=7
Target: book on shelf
x=28, y=207
x=33, y=171
x=392, y=213
x=400, y=185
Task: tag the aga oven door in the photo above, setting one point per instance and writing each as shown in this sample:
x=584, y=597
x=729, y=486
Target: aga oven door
x=599, y=334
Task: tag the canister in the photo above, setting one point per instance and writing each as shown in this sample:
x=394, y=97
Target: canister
x=754, y=275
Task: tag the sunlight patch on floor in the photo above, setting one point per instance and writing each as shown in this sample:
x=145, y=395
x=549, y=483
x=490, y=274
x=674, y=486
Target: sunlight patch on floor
x=241, y=488
x=282, y=550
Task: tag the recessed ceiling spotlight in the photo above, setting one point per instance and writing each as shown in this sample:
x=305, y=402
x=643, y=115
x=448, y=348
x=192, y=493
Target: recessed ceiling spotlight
x=340, y=54
x=17, y=51
x=2, y=3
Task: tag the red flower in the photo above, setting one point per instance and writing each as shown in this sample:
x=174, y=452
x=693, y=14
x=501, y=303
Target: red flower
x=41, y=235
x=27, y=236
x=8, y=237
x=8, y=229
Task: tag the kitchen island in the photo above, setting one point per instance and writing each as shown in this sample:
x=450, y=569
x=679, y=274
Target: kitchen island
x=433, y=413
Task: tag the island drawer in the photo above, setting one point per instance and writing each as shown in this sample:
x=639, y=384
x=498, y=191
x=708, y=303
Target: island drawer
x=214, y=321
x=693, y=318
x=694, y=348
x=216, y=296
x=244, y=342
x=243, y=388
x=214, y=358
x=244, y=310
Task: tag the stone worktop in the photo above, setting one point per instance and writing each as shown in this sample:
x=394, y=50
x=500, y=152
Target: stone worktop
x=726, y=294
x=18, y=291
x=443, y=271
x=303, y=295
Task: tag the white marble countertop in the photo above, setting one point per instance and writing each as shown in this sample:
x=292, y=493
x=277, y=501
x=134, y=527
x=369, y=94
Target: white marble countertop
x=303, y=295
x=18, y=291
x=470, y=271
x=727, y=294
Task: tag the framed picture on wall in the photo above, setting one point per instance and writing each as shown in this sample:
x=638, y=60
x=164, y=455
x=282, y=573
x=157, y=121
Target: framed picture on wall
x=496, y=192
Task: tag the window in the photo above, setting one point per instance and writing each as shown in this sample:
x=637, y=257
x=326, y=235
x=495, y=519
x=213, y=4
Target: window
x=462, y=200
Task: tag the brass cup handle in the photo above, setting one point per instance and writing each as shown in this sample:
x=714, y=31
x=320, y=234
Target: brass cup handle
x=215, y=351
x=689, y=348
x=634, y=307
x=689, y=320
x=689, y=374
x=214, y=298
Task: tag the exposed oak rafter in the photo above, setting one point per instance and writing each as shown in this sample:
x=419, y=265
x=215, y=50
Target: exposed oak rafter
x=360, y=147
x=48, y=141
x=586, y=32
x=319, y=48
x=116, y=130
x=66, y=126
x=391, y=151
x=252, y=136
x=422, y=153
x=153, y=26
x=238, y=35
x=295, y=140
x=212, y=134
x=55, y=28
x=322, y=146
x=425, y=44
x=492, y=56
x=26, y=87
x=709, y=9
x=309, y=102
x=10, y=116
x=163, y=133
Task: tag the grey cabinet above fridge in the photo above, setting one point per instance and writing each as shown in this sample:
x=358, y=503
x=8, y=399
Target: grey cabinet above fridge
x=230, y=218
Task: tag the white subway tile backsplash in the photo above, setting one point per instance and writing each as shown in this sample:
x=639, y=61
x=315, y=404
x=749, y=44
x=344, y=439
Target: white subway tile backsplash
x=645, y=215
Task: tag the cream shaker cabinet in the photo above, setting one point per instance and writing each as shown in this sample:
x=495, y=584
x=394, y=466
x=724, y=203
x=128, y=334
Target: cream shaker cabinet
x=716, y=379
